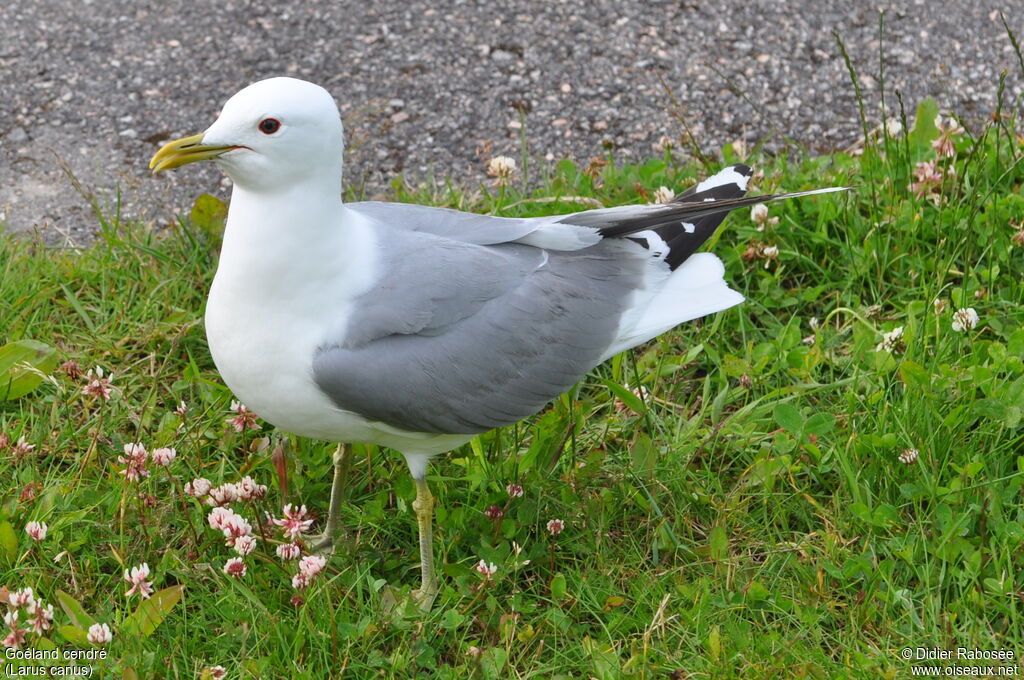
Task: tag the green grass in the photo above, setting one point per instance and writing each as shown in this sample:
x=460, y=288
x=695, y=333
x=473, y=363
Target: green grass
x=748, y=518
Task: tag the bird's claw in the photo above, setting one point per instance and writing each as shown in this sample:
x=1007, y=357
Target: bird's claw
x=424, y=597
x=320, y=544
x=394, y=599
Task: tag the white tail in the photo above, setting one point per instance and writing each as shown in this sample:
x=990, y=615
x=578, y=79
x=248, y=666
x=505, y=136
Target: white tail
x=695, y=289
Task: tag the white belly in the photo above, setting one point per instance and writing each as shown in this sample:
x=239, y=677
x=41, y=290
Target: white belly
x=265, y=354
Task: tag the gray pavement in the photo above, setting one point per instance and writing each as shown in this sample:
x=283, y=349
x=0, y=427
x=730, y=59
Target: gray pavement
x=431, y=89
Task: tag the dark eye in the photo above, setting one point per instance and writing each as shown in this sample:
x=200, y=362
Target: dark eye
x=269, y=126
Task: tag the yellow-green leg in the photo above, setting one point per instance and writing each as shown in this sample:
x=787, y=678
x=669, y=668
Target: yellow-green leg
x=424, y=507
x=324, y=544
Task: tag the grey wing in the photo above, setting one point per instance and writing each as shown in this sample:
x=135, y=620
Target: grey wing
x=444, y=222
x=534, y=325
x=542, y=232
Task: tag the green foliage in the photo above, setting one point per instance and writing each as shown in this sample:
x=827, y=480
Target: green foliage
x=151, y=612
x=74, y=610
x=924, y=131
x=208, y=216
x=24, y=365
x=8, y=542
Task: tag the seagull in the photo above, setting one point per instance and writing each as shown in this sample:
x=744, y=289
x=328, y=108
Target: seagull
x=417, y=328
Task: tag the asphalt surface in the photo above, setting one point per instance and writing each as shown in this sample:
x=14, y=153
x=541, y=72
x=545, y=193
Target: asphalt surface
x=430, y=90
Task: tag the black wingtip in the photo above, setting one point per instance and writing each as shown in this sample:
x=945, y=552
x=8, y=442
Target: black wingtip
x=738, y=187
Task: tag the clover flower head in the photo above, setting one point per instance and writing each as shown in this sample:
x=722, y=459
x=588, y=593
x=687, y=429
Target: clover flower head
x=99, y=634
x=486, y=569
x=137, y=577
x=965, y=319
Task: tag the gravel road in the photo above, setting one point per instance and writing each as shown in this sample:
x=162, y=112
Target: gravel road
x=426, y=88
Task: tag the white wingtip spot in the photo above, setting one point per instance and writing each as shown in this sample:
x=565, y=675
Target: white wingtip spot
x=655, y=243
x=726, y=176
x=688, y=227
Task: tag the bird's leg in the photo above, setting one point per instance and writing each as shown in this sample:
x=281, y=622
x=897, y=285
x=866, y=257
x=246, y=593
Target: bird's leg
x=324, y=544
x=424, y=507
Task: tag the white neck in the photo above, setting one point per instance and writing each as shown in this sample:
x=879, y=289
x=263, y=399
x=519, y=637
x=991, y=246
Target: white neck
x=284, y=242
x=300, y=213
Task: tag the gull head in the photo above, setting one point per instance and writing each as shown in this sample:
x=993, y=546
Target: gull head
x=271, y=136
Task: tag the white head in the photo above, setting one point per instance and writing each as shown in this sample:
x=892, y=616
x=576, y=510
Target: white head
x=269, y=137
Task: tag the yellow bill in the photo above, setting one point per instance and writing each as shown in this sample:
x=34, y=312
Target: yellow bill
x=183, y=151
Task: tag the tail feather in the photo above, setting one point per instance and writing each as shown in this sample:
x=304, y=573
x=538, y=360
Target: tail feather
x=672, y=232
x=695, y=289
x=685, y=223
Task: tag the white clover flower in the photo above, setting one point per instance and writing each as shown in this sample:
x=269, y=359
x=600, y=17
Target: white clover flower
x=220, y=517
x=965, y=319
x=311, y=565
x=759, y=213
x=249, y=490
x=663, y=195
x=908, y=456
x=244, y=545
x=137, y=577
x=235, y=566
x=891, y=341
x=288, y=551
x=486, y=569
x=164, y=456
x=223, y=494
x=99, y=634
x=894, y=127
x=198, y=487
x=21, y=598
x=501, y=168
x=97, y=384
x=36, y=530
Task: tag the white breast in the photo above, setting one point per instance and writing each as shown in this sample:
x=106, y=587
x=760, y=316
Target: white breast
x=275, y=300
